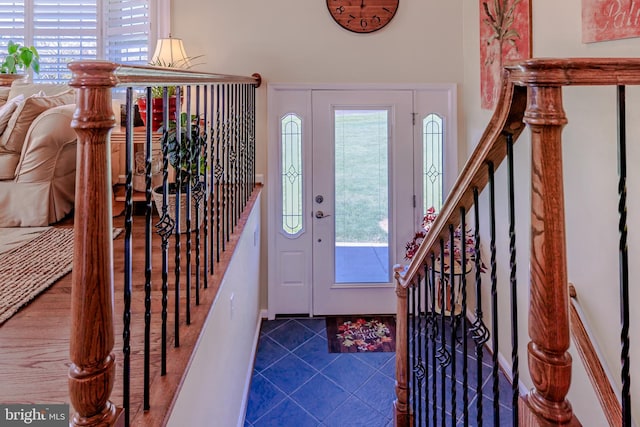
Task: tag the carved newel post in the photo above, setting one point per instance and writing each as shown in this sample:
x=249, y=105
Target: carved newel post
x=92, y=370
x=549, y=361
x=401, y=410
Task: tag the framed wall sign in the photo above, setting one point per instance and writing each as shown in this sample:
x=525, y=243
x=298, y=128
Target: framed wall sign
x=610, y=20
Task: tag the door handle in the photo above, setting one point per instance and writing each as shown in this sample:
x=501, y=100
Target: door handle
x=320, y=215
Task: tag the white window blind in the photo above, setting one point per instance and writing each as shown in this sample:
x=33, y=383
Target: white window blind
x=65, y=30
x=128, y=29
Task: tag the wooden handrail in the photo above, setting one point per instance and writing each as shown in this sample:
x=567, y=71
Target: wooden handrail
x=591, y=359
x=92, y=370
x=531, y=93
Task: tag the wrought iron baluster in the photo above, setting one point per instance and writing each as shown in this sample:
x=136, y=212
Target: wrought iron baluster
x=204, y=158
x=463, y=317
x=494, y=297
x=623, y=255
x=453, y=320
x=515, y=374
x=412, y=342
x=444, y=357
x=178, y=192
x=128, y=275
x=147, y=250
x=188, y=143
x=432, y=339
x=479, y=332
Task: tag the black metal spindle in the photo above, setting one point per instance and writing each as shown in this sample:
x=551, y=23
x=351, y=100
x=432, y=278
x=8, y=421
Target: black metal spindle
x=218, y=170
x=188, y=143
x=453, y=319
x=165, y=227
x=432, y=338
x=412, y=342
x=463, y=317
x=202, y=157
x=178, y=192
x=427, y=335
x=442, y=350
x=515, y=374
x=212, y=175
x=479, y=331
x=226, y=203
x=128, y=215
x=623, y=256
x=147, y=251
x=494, y=296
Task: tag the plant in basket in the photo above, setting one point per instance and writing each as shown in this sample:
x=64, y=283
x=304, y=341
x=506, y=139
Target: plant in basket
x=187, y=158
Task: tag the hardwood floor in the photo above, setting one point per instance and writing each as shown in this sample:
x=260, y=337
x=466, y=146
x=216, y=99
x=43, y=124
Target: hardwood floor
x=34, y=343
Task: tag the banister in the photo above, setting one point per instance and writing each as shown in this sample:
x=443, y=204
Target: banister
x=92, y=370
x=531, y=93
x=591, y=359
x=143, y=75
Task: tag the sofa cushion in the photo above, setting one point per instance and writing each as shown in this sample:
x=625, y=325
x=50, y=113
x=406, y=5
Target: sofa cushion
x=7, y=110
x=8, y=164
x=28, y=89
x=4, y=94
x=13, y=137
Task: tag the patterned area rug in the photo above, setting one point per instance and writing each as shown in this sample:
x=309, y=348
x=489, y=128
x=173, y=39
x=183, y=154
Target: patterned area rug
x=30, y=268
x=358, y=334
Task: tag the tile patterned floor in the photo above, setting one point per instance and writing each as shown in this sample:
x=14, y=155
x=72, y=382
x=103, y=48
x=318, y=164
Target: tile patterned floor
x=298, y=383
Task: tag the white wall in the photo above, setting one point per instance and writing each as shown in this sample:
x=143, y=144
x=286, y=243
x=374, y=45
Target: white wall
x=214, y=390
x=590, y=189
x=289, y=41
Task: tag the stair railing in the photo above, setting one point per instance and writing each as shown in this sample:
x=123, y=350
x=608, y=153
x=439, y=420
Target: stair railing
x=225, y=109
x=427, y=386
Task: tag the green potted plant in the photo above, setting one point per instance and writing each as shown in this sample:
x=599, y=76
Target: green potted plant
x=187, y=158
x=18, y=58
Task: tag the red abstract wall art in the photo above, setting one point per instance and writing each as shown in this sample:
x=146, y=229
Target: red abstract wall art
x=505, y=36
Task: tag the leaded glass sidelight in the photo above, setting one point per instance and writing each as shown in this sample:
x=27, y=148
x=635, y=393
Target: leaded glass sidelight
x=432, y=148
x=291, y=140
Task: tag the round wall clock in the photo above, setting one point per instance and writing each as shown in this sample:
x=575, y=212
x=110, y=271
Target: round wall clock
x=362, y=16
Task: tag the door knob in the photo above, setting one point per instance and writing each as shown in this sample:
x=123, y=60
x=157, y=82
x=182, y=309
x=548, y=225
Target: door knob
x=320, y=214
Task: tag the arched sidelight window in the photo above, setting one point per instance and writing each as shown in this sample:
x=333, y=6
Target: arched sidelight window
x=432, y=161
x=291, y=147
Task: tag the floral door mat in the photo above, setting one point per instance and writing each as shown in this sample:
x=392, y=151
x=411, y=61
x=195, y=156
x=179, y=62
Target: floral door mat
x=358, y=334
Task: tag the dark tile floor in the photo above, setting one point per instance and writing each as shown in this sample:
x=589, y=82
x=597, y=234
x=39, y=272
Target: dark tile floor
x=297, y=382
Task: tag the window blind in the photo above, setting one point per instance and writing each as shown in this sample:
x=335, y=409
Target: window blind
x=65, y=30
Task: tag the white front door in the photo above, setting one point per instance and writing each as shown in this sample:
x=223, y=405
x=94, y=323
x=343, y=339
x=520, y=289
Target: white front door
x=362, y=197
x=342, y=191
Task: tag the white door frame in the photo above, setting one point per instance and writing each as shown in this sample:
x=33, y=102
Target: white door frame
x=296, y=296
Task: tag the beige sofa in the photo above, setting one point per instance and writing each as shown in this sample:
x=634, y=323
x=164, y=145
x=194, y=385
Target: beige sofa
x=37, y=154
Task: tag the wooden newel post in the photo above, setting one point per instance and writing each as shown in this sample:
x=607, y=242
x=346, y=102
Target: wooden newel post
x=92, y=370
x=401, y=411
x=549, y=361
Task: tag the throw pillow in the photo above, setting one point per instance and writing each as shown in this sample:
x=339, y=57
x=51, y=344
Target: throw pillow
x=13, y=137
x=4, y=94
x=7, y=110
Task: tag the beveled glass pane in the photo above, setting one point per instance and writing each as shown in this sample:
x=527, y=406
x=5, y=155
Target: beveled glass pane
x=291, y=139
x=432, y=147
x=362, y=196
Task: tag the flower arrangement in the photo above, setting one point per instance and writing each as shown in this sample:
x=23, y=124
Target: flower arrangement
x=469, y=242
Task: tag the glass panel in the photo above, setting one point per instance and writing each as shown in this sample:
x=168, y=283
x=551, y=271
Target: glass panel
x=362, y=196
x=432, y=137
x=291, y=138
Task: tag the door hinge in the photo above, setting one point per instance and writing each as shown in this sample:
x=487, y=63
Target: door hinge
x=413, y=118
x=414, y=201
